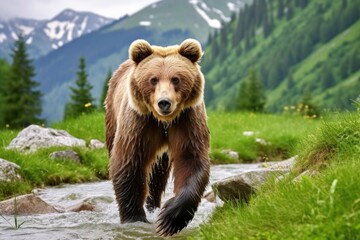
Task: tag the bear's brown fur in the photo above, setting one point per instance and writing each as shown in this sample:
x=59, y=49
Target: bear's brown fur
x=156, y=120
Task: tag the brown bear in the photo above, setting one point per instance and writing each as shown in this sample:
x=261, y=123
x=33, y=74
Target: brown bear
x=156, y=121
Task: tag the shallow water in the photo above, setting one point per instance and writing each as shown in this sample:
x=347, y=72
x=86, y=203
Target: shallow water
x=104, y=222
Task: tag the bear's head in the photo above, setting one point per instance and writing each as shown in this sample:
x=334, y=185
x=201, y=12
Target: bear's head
x=165, y=80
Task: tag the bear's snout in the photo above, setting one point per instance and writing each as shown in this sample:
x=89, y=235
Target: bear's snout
x=164, y=105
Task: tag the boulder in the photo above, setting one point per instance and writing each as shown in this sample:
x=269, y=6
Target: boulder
x=9, y=171
x=26, y=205
x=34, y=137
x=96, y=144
x=86, y=205
x=230, y=153
x=285, y=165
x=241, y=186
x=210, y=196
x=67, y=154
x=31, y=204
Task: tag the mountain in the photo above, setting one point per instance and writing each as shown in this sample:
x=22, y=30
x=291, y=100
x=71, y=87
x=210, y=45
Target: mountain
x=43, y=36
x=301, y=50
x=165, y=22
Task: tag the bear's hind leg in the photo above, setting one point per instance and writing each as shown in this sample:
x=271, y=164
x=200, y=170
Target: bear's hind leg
x=157, y=183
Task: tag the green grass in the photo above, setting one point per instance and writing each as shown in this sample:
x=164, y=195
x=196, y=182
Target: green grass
x=87, y=127
x=324, y=206
x=281, y=133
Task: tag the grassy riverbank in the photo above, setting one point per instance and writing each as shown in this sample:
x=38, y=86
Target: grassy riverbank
x=322, y=205
x=281, y=134
x=38, y=170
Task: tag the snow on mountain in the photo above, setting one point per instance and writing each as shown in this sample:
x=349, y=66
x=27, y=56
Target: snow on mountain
x=69, y=25
x=2, y=37
x=144, y=23
x=201, y=8
x=215, y=16
x=46, y=35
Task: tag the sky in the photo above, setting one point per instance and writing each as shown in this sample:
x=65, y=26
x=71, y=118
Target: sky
x=47, y=9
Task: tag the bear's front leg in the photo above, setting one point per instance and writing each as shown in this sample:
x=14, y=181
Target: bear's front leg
x=191, y=178
x=191, y=173
x=130, y=186
x=129, y=162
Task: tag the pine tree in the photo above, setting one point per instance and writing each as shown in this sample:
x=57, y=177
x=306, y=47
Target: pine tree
x=4, y=71
x=251, y=94
x=81, y=101
x=280, y=9
x=290, y=81
x=290, y=11
x=105, y=88
x=243, y=101
x=307, y=107
x=21, y=103
x=327, y=77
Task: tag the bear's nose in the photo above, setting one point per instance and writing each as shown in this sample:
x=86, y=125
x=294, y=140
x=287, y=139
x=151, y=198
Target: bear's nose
x=164, y=104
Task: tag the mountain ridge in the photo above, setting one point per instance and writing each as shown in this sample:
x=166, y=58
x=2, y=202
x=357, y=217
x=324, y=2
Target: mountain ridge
x=43, y=36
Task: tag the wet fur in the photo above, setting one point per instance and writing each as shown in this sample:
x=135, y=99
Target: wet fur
x=142, y=152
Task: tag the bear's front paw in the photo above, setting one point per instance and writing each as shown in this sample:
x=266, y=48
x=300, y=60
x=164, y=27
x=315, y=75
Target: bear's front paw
x=174, y=216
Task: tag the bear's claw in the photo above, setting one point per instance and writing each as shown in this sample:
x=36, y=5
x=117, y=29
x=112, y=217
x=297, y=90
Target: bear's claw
x=173, y=217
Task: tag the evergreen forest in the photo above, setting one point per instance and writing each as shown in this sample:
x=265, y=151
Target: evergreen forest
x=297, y=47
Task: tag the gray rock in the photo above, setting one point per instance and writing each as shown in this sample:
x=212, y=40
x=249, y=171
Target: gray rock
x=96, y=144
x=210, y=196
x=9, y=171
x=83, y=206
x=286, y=164
x=26, y=205
x=261, y=141
x=230, y=153
x=67, y=154
x=241, y=187
x=31, y=204
x=34, y=137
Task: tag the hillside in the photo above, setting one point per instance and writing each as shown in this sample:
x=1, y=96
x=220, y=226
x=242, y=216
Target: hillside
x=161, y=23
x=297, y=47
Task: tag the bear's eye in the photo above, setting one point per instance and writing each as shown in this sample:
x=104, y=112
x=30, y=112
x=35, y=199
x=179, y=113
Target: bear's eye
x=175, y=80
x=154, y=81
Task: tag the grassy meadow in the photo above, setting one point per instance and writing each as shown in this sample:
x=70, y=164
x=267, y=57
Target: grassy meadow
x=324, y=204
x=280, y=132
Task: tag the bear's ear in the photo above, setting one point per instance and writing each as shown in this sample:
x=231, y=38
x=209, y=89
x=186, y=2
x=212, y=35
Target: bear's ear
x=139, y=50
x=191, y=49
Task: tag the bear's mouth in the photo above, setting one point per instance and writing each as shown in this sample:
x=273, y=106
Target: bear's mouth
x=165, y=113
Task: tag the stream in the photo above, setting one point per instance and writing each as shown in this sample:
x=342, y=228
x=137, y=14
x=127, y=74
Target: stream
x=104, y=222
